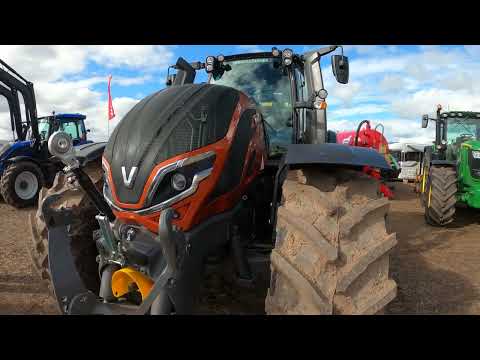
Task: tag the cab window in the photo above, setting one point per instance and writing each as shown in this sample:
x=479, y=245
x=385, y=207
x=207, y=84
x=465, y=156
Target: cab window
x=71, y=128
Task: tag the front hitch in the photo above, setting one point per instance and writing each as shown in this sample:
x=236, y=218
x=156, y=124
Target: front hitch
x=72, y=296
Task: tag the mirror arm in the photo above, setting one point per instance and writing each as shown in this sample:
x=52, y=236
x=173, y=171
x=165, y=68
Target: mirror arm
x=324, y=51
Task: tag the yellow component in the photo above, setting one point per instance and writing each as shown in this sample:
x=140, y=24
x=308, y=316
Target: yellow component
x=467, y=145
x=267, y=104
x=423, y=181
x=323, y=105
x=121, y=279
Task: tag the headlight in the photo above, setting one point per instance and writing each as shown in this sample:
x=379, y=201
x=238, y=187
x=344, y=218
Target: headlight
x=179, y=181
x=210, y=60
x=287, y=56
x=444, y=142
x=322, y=94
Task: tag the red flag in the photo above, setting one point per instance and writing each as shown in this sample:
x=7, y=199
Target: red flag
x=111, y=112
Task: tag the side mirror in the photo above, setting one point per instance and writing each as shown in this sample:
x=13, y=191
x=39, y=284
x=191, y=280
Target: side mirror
x=340, y=68
x=424, y=121
x=88, y=130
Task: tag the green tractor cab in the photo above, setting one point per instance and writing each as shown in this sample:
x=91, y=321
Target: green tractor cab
x=451, y=167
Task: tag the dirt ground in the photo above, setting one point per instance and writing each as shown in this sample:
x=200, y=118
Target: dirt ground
x=437, y=269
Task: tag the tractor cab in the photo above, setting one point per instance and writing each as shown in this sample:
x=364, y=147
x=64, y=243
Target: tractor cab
x=72, y=124
x=286, y=87
x=461, y=127
x=268, y=84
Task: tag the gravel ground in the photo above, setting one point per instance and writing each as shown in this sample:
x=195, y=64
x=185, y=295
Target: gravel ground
x=437, y=269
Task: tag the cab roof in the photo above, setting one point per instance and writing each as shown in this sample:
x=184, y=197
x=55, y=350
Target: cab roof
x=67, y=116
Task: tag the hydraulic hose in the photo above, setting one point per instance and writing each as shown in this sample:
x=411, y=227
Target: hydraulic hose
x=358, y=130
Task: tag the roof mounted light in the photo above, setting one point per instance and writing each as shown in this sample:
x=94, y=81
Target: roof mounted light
x=459, y=114
x=221, y=58
x=287, y=57
x=322, y=94
x=445, y=115
x=275, y=52
x=210, y=60
x=453, y=114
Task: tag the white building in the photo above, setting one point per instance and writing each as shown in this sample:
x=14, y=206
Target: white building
x=409, y=157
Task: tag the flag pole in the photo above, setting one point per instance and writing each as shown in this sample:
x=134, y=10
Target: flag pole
x=111, y=112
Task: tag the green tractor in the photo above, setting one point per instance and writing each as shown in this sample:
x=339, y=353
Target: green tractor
x=451, y=167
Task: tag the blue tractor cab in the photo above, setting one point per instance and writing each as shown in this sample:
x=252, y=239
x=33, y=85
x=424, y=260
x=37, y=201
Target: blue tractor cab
x=72, y=124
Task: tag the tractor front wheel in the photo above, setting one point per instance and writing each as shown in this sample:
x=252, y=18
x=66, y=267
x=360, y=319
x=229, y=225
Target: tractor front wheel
x=20, y=184
x=440, y=196
x=84, y=250
x=332, y=250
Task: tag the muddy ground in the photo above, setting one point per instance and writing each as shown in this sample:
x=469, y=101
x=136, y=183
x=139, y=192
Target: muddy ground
x=437, y=269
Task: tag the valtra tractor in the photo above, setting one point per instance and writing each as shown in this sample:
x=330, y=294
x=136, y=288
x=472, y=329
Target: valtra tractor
x=219, y=177
x=25, y=163
x=374, y=139
x=450, y=172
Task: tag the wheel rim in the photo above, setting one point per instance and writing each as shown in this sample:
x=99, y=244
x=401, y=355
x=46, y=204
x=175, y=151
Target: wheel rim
x=26, y=185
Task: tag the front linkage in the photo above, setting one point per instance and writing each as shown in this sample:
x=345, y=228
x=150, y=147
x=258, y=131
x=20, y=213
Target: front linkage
x=70, y=291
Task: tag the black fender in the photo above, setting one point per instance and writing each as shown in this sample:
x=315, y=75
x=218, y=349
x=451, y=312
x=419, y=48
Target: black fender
x=21, y=158
x=329, y=154
x=443, y=163
x=89, y=152
x=334, y=154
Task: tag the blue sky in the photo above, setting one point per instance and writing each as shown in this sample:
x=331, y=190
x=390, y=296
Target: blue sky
x=392, y=85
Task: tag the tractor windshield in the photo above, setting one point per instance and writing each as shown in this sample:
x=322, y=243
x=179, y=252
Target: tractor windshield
x=461, y=129
x=43, y=128
x=269, y=87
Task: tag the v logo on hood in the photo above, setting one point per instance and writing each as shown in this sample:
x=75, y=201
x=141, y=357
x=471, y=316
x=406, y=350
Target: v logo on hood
x=128, y=181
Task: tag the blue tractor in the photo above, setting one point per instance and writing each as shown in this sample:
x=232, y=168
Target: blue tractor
x=25, y=162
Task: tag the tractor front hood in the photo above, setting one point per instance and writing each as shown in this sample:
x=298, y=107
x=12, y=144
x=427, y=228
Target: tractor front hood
x=169, y=123
x=4, y=145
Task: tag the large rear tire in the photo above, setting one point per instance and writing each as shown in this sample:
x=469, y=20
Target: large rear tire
x=20, y=184
x=83, y=247
x=332, y=250
x=440, y=196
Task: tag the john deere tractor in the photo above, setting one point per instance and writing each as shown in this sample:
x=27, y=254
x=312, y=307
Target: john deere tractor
x=451, y=167
x=221, y=178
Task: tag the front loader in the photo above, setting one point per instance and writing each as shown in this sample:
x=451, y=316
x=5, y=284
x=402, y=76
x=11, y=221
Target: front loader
x=450, y=172
x=224, y=175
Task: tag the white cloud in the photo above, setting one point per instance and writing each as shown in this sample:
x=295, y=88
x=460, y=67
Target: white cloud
x=392, y=83
x=53, y=62
x=133, y=56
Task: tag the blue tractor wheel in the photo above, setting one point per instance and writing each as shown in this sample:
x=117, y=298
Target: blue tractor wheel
x=20, y=184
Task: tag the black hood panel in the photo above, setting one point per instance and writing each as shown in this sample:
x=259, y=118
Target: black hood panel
x=167, y=123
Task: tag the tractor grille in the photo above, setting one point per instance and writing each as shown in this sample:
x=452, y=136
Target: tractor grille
x=474, y=164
